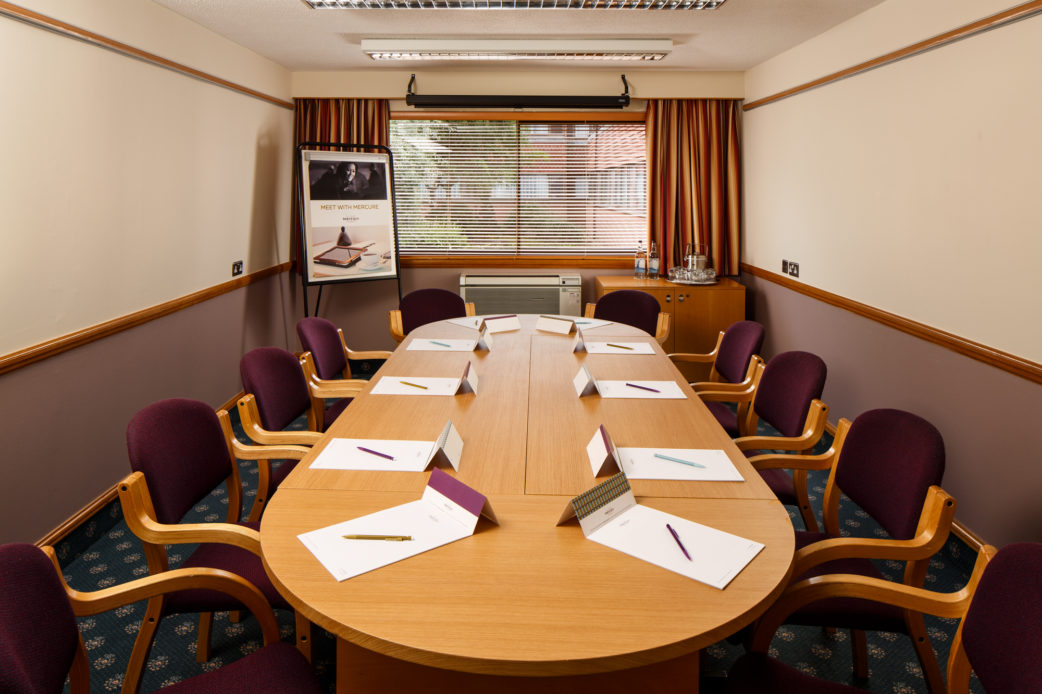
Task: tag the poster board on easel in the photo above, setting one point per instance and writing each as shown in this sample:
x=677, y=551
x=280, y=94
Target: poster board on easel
x=348, y=225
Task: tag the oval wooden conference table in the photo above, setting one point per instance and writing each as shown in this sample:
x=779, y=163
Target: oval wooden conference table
x=525, y=605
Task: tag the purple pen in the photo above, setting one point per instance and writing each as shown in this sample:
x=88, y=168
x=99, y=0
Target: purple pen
x=677, y=538
x=634, y=385
x=370, y=450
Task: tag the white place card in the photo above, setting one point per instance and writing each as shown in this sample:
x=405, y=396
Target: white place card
x=390, y=455
x=553, y=324
x=619, y=348
x=657, y=390
x=580, y=344
x=602, y=454
x=468, y=321
x=447, y=511
x=591, y=323
x=501, y=324
x=609, y=515
x=484, y=340
x=442, y=345
x=694, y=464
x=584, y=382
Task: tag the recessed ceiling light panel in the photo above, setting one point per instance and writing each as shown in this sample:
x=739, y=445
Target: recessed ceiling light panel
x=514, y=4
x=608, y=50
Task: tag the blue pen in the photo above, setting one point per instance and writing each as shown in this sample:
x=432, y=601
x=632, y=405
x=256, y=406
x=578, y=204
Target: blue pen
x=678, y=460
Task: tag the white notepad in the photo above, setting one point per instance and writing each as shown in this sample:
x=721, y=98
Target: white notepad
x=391, y=455
x=666, y=390
x=442, y=345
x=619, y=347
x=641, y=464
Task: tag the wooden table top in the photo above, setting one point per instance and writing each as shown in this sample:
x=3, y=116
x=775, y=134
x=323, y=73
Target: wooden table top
x=526, y=597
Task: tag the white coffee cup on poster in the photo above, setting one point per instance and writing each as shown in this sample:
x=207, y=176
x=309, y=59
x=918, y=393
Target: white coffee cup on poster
x=370, y=259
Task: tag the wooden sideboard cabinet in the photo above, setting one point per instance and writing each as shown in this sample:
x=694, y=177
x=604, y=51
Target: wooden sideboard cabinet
x=698, y=312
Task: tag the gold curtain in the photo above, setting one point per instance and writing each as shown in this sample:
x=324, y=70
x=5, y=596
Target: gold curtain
x=694, y=179
x=348, y=121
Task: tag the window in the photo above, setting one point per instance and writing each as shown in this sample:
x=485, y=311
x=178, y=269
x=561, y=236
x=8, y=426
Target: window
x=519, y=188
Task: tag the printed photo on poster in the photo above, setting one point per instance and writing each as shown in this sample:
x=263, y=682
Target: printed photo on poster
x=348, y=231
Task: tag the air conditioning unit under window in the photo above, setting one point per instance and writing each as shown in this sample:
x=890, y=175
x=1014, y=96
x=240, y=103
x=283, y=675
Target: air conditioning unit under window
x=544, y=294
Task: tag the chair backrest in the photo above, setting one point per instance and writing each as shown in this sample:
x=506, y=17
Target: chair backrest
x=429, y=305
x=740, y=342
x=890, y=459
x=1000, y=630
x=320, y=337
x=790, y=381
x=631, y=307
x=38, y=632
x=179, y=446
x=274, y=377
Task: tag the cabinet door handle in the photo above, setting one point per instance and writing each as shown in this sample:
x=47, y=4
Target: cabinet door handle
x=680, y=297
x=668, y=298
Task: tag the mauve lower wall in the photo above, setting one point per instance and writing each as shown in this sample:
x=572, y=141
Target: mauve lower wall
x=988, y=417
x=65, y=417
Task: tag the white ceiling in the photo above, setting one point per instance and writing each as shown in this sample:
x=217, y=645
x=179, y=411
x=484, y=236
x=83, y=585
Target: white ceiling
x=737, y=36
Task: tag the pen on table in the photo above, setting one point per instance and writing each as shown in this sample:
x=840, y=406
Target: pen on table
x=634, y=385
x=509, y=315
x=677, y=538
x=414, y=385
x=370, y=450
x=390, y=538
x=678, y=460
x=612, y=344
x=440, y=344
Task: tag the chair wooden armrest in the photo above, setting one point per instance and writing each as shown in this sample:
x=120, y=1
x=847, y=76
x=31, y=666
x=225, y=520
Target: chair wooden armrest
x=935, y=523
x=708, y=358
x=324, y=388
x=468, y=308
x=737, y=396
x=752, y=375
x=814, y=427
x=662, y=327
x=86, y=603
x=251, y=424
x=245, y=451
x=140, y=516
x=807, y=591
x=793, y=461
x=394, y=319
x=720, y=387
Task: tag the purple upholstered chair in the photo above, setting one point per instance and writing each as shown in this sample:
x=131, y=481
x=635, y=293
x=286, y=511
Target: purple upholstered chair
x=424, y=306
x=997, y=639
x=786, y=393
x=632, y=307
x=179, y=452
x=890, y=463
x=734, y=360
x=40, y=643
x=329, y=349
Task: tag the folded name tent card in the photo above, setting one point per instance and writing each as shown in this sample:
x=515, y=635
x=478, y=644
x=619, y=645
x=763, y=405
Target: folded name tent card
x=601, y=452
x=391, y=455
x=580, y=344
x=428, y=385
x=609, y=515
x=468, y=321
x=447, y=511
x=619, y=347
x=484, y=340
x=442, y=345
x=591, y=323
x=555, y=324
x=501, y=324
x=584, y=382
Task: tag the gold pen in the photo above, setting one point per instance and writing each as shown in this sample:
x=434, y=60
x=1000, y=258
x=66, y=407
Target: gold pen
x=391, y=538
x=619, y=346
x=414, y=385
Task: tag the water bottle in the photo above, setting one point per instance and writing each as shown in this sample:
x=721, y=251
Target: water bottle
x=640, y=262
x=653, y=261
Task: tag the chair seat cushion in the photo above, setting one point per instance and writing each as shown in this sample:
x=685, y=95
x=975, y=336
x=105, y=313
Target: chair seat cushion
x=727, y=417
x=845, y=612
x=334, y=410
x=276, y=668
x=780, y=483
x=756, y=673
x=230, y=558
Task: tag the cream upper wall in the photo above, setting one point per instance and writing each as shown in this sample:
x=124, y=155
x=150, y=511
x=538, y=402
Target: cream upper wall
x=124, y=185
x=643, y=84
x=912, y=188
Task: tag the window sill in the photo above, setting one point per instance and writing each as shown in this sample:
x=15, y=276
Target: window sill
x=533, y=261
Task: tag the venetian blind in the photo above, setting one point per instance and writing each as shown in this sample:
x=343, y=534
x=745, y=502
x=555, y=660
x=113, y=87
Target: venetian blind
x=519, y=188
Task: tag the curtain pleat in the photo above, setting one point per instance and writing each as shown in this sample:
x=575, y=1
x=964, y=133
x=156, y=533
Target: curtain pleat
x=346, y=121
x=694, y=179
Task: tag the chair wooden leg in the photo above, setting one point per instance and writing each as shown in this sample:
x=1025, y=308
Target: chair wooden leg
x=202, y=641
x=859, y=652
x=799, y=480
x=235, y=616
x=142, y=646
x=263, y=490
x=303, y=626
x=924, y=649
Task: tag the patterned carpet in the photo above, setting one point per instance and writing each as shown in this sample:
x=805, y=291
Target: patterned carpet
x=103, y=552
